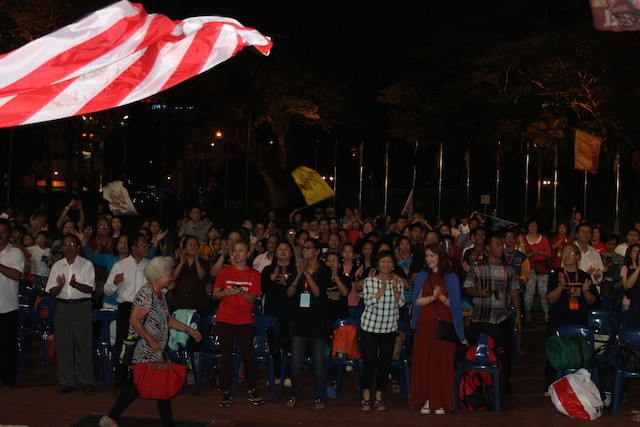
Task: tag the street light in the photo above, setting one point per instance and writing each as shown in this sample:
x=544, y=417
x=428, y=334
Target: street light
x=124, y=122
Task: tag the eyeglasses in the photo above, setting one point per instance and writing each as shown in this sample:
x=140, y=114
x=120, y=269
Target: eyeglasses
x=144, y=245
x=308, y=247
x=291, y=232
x=70, y=244
x=570, y=253
x=509, y=238
x=103, y=226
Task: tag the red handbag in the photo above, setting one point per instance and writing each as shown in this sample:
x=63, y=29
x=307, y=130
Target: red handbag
x=159, y=380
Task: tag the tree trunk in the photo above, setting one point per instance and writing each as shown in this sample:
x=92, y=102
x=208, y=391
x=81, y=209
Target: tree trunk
x=277, y=198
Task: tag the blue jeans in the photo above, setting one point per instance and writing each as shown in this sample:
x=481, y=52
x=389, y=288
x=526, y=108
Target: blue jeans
x=298, y=346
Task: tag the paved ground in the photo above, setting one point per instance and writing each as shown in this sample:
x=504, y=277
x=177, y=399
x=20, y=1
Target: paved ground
x=35, y=403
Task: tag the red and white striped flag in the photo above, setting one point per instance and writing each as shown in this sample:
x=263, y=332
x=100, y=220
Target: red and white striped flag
x=113, y=57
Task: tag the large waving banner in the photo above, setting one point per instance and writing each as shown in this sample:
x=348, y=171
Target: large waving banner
x=616, y=15
x=113, y=57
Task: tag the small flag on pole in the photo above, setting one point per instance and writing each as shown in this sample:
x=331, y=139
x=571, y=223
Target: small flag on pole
x=408, y=206
x=118, y=197
x=313, y=187
x=587, y=151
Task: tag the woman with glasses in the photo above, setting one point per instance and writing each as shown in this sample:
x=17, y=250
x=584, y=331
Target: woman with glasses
x=309, y=291
x=571, y=295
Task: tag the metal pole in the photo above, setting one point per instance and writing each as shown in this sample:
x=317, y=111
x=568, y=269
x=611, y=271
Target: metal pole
x=440, y=167
x=526, y=183
x=246, y=167
x=468, y=165
x=386, y=178
x=539, y=201
x=335, y=174
x=584, y=210
x=555, y=191
x=226, y=171
x=8, y=200
x=497, y=176
x=616, y=223
x=360, y=175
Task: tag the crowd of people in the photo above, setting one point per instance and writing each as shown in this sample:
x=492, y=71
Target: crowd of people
x=308, y=272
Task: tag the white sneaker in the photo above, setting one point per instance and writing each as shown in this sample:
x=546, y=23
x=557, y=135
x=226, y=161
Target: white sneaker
x=425, y=409
x=287, y=382
x=607, y=399
x=440, y=411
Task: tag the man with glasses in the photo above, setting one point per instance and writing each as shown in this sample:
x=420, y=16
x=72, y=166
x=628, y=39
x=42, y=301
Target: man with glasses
x=71, y=281
x=126, y=277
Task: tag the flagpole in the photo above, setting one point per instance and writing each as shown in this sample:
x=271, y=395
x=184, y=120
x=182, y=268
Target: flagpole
x=526, y=182
x=616, y=223
x=497, y=176
x=386, y=177
x=555, y=190
x=361, y=175
x=584, y=209
x=468, y=164
x=415, y=165
x=335, y=173
x=440, y=163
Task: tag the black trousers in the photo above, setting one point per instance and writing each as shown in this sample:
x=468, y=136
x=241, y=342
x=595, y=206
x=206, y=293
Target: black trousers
x=121, y=373
x=501, y=334
x=9, y=353
x=129, y=394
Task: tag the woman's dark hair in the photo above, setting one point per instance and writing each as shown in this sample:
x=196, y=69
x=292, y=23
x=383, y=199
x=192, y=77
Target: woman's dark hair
x=183, y=243
x=316, y=243
x=444, y=262
x=627, y=254
x=383, y=254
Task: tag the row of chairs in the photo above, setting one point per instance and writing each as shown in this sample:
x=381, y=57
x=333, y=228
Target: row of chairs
x=605, y=333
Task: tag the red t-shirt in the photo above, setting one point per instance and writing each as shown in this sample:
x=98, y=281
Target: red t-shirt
x=235, y=309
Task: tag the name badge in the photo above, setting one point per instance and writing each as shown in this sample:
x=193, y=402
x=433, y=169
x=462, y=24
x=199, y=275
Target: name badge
x=305, y=300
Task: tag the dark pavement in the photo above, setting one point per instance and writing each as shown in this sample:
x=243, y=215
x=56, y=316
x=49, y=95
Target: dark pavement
x=35, y=403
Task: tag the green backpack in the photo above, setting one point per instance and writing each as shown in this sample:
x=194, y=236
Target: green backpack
x=574, y=352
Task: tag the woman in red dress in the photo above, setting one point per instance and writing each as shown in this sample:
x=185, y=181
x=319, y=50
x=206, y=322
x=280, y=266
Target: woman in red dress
x=436, y=294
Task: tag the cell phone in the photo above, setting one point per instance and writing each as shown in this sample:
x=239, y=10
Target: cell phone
x=238, y=287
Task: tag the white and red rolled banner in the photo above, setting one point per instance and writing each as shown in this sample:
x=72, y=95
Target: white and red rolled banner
x=616, y=15
x=113, y=57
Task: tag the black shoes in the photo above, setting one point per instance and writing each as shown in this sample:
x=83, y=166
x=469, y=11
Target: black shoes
x=62, y=390
x=225, y=402
x=254, y=397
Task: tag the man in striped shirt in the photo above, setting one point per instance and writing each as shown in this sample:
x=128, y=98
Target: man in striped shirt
x=494, y=288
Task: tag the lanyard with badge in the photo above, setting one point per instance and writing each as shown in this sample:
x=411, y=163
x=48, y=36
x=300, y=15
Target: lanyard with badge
x=574, y=291
x=305, y=296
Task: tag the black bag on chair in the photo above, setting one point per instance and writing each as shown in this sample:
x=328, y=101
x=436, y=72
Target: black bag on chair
x=630, y=357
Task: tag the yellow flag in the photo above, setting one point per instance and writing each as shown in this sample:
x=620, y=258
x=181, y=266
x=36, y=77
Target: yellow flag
x=313, y=187
x=587, y=151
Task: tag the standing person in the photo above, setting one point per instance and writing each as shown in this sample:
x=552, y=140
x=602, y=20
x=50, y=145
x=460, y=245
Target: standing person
x=40, y=256
x=195, y=226
x=536, y=246
x=571, y=295
x=12, y=264
x=629, y=274
x=338, y=290
x=126, y=277
x=383, y=295
x=71, y=281
x=309, y=291
x=436, y=296
x=557, y=243
x=190, y=277
x=494, y=288
x=266, y=257
x=237, y=287
x=151, y=321
x=590, y=259
x=276, y=279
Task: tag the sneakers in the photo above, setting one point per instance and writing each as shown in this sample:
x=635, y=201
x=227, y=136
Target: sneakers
x=439, y=411
x=317, y=404
x=425, y=409
x=107, y=422
x=607, y=399
x=287, y=382
x=254, y=397
x=225, y=402
x=292, y=402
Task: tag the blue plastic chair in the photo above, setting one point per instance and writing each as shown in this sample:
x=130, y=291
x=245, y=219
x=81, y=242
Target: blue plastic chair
x=185, y=355
x=570, y=331
x=26, y=322
x=480, y=362
x=341, y=364
x=263, y=353
x=210, y=353
x=632, y=337
x=102, y=348
x=403, y=363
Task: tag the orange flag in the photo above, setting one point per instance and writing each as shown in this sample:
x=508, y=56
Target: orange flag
x=587, y=151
